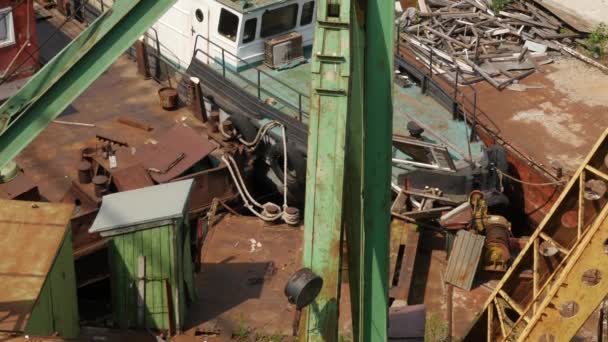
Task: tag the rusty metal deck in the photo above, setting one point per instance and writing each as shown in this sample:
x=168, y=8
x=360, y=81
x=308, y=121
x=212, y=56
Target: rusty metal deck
x=241, y=282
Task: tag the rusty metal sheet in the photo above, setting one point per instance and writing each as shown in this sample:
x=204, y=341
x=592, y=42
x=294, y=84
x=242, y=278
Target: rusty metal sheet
x=170, y=146
x=78, y=196
x=131, y=178
x=464, y=259
x=406, y=271
x=407, y=323
x=31, y=234
x=20, y=188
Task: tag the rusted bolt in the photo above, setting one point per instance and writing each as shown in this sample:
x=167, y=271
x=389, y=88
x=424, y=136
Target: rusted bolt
x=592, y=277
x=568, y=309
x=271, y=209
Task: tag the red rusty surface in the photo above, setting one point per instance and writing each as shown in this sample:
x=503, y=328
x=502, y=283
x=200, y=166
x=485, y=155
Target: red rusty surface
x=429, y=288
x=237, y=287
x=172, y=143
x=131, y=178
x=51, y=159
x=20, y=188
x=210, y=184
x=235, y=281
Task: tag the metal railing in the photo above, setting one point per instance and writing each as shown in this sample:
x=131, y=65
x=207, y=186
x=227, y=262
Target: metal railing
x=258, y=83
x=461, y=100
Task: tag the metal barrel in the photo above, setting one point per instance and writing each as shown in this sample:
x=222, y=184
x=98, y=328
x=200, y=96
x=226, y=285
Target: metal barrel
x=84, y=172
x=168, y=98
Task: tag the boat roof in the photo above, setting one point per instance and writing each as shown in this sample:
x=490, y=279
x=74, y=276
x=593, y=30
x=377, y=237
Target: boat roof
x=31, y=234
x=246, y=6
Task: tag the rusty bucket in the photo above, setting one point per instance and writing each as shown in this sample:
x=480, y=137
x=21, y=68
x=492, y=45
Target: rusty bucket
x=168, y=98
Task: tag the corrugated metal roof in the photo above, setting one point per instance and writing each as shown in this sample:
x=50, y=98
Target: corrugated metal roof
x=31, y=234
x=464, y=259
x=142, y=206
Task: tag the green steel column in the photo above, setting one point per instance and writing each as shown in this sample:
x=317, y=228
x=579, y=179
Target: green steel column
x=369, y=167
x=330, y=67
x=377, y=132
x=72, y=71
x=349, y=163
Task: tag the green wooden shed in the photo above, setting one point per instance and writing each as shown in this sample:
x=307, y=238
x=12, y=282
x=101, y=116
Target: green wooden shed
x=151, y=267
x=38, y=295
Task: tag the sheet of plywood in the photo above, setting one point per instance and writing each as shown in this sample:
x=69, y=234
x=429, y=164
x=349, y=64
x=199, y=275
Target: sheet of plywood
x=583, y=15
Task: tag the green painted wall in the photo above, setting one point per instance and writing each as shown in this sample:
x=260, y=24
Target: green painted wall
x=57, y=307
x=166, y=261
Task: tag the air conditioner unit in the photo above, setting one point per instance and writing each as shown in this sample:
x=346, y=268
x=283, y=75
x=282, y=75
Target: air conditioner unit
x=284, y=51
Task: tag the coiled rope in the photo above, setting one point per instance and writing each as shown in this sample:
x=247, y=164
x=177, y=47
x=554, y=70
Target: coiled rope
x=249, y=201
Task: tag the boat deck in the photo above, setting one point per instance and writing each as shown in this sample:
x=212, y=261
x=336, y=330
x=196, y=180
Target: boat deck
x=557, y=124
x=408, y=103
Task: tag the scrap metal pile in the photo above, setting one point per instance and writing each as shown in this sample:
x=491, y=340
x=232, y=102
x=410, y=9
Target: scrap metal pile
x=480, y=41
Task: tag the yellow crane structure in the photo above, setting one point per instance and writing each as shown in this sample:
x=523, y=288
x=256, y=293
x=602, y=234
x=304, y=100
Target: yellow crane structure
x=561, y=276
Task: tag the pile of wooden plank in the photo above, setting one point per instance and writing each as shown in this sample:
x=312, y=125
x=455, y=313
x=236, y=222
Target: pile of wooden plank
x=500, y=47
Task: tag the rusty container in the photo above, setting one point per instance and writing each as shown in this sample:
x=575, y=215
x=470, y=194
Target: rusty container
x=101, y=185
x=84, y=172
x=168, y=98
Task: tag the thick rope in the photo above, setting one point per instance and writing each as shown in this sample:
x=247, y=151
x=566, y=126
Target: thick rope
x=502, y=174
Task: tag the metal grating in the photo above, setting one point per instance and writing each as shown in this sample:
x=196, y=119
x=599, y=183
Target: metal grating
x=464, y=259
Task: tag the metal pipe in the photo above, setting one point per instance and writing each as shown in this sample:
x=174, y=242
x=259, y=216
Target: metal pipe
x=300, y=106
x=223, y=64
x=259, y=86
x=428, y=166
x=450, y=296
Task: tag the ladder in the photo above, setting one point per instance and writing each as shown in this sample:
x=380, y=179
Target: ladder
x=561, y=276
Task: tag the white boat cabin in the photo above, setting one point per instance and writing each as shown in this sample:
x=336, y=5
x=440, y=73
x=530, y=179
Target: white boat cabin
x=239, y=27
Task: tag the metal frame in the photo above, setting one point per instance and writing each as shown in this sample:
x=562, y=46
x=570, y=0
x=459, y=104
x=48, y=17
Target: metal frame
x=565, y=295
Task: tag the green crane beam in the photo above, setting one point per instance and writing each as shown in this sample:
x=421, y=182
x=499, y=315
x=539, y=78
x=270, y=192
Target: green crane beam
x=330, y=67
x=349, y=164
x=72, y=71
x=368, y=159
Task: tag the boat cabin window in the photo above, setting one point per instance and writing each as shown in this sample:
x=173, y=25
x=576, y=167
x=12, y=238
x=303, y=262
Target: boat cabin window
x=307, y=13
x=228, y=25
x=249, y=31
x=279, y=20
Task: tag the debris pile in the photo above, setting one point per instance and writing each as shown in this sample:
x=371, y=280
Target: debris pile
x=499, y=44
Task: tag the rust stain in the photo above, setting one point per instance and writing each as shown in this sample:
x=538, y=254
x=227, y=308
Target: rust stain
x=30, y=236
